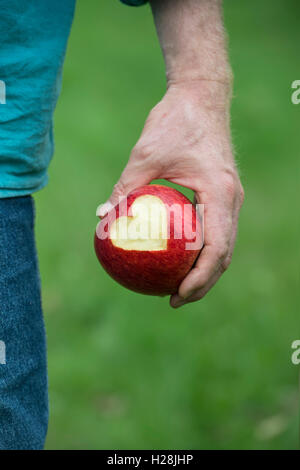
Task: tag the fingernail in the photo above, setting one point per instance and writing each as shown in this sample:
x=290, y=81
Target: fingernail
x=178, y=302
x=103, y=209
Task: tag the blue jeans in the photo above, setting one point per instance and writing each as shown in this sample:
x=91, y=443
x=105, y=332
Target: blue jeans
x=23, y=374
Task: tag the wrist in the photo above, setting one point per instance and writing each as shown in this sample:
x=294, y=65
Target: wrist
x=188, y=67
x=211, y=94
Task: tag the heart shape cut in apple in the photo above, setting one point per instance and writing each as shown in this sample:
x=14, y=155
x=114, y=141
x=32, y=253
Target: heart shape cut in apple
x=145, y=229
x=146, y=248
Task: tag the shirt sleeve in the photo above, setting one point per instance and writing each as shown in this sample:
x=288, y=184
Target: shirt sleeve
x=134, y=3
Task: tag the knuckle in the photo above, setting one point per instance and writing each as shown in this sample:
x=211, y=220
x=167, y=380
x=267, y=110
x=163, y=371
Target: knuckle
x=221, y=251
x=229, y=183
x=226, y=263
x=119, y=188
x=143, y=151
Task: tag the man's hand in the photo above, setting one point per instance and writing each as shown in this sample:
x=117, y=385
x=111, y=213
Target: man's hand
x=186, y=138
x=187, y=143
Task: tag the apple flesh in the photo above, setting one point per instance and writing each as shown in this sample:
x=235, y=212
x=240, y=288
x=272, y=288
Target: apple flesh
x=153, y=245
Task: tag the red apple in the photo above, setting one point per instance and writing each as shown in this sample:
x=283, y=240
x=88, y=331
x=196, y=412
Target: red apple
x=149, y=242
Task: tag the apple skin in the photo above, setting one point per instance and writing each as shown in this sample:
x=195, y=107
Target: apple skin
x=150, y=272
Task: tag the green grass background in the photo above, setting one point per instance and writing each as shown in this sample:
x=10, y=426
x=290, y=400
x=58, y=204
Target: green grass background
x=126, y=371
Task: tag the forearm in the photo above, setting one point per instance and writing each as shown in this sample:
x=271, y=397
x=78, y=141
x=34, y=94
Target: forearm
x=193, y=42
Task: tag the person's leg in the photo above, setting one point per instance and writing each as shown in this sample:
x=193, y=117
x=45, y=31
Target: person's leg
x=23, y=375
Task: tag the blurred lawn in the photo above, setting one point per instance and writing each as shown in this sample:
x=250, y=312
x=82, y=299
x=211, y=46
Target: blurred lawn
x=126, y=371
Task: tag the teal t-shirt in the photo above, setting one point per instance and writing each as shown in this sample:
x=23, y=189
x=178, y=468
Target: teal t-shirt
x=33, y=39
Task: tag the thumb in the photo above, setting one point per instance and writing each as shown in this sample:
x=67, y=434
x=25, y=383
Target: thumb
x=132, y=177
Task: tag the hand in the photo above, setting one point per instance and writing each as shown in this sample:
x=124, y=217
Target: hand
x=187, y=142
